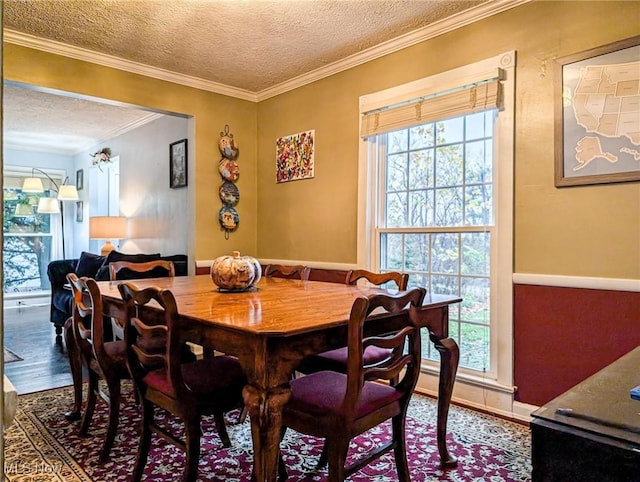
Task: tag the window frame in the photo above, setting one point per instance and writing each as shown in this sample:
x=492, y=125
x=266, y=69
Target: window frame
x=501, y=326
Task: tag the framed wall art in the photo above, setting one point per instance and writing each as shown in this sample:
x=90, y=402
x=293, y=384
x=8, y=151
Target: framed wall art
x=79, y=179
x=178, y=164
x=597, y=115
x=294, y=156
x=79, y=211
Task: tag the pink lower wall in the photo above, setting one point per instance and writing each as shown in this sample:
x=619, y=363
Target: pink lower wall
x=564, y=335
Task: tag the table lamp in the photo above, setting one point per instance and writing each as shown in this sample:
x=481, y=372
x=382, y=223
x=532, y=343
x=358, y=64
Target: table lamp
x=107, y=228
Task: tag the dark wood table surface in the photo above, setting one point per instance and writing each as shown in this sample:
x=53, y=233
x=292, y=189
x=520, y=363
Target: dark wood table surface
x=592, y=431
x=272, y=327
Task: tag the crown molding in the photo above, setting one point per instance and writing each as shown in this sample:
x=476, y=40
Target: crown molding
x=86, y=55
x=420, y=35
x=407, y=40
x=31, y=148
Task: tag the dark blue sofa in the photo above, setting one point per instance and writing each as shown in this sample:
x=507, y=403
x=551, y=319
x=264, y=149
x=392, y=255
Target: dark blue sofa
x=97, y=267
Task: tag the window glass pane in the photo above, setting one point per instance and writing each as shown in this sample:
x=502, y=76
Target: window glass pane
x=450, y=130
x=476, y=163
x=397, y=207
x=449, y=163
x=422, y=136
x=475, y=253
x=397, y=141
x=421, y=169
x=392, y=252
x=445, y=253
x=474, y=343
x=397, y=173
x=419, y=279
x=448, y=210
x=421, y=208
x=475, y=125
x=417, y=252
x=27, y=241
x=445, y=285
x=477, y=205
x=475, y=299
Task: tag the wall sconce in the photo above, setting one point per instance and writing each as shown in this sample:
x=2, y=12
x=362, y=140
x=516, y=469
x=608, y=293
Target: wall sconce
x=65, y=192
x=107, y=228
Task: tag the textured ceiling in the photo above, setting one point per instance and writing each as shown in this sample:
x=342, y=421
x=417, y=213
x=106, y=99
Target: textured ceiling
x=251, y=45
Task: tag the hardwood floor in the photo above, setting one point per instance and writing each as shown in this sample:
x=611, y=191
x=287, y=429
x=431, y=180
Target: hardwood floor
x=30, y=335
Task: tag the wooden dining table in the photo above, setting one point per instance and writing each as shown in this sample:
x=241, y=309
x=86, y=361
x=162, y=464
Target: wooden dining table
x=273, y=326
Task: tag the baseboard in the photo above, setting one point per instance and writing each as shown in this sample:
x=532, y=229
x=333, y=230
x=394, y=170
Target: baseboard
x=484, y=397
x=24, y=300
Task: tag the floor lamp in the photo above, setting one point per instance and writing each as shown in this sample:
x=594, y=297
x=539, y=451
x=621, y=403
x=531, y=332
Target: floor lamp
x=47, y=205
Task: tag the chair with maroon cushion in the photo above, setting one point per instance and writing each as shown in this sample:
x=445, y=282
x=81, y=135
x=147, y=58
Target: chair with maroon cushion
x=104, y=359
x=339, y=406
x=166, y=376
x=292, y=272
x=336, y=360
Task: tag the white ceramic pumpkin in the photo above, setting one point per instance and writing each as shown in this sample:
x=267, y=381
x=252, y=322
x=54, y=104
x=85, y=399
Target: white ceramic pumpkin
x=235, y=272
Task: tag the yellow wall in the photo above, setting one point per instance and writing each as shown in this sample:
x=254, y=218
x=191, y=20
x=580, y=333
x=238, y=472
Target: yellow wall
x=577, y=231
x=209, y=111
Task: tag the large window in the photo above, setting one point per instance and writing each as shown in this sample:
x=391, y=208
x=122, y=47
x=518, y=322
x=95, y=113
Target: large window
x=28, y=238
x=436, y=219
x=436, y=201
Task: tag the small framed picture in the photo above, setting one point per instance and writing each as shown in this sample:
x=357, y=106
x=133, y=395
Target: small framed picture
x=79, y=215
x=79, y=179
x=178, y=164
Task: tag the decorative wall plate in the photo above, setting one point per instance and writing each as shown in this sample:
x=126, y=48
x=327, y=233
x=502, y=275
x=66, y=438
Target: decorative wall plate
x=227, y=144
x=228, y=218
x=229, y=193
x=229, y=169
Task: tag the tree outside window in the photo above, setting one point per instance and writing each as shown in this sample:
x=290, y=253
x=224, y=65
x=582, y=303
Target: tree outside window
x=27, y=242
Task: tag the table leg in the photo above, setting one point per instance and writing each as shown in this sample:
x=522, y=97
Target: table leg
x=449, y=357
x=75, y=364
x=265, y=410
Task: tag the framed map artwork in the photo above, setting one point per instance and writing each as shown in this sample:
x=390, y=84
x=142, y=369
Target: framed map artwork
x=597, y=115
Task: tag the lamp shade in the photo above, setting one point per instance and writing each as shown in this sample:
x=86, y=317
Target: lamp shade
x=23, y=210
x=107, y=227
x=68, y=192
x=32, y=184
x=48, y=205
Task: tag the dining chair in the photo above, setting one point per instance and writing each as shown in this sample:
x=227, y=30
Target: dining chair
x=128, y=270
x=105, y=359
x=149, y=269
x=337, y=359
x=339, y=406
x=292, y=272
x=401, y=280
x=166, y=376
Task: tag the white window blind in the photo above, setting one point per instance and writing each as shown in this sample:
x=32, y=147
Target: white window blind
x=466, y=100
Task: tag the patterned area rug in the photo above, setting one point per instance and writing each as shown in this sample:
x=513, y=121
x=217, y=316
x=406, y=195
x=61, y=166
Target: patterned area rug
x=42, y=446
